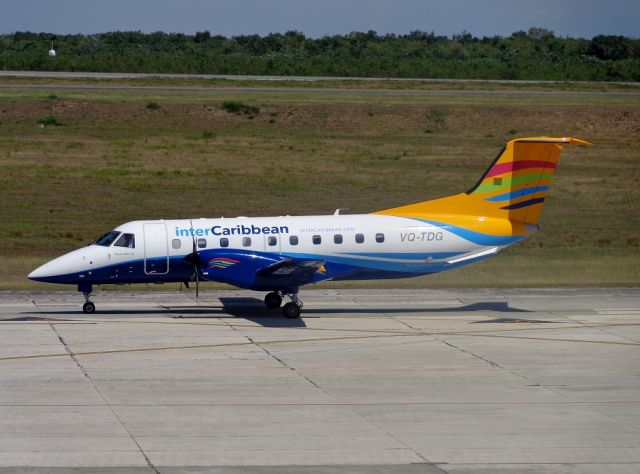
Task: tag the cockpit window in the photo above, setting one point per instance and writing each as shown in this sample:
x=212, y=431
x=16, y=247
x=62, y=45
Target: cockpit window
x=126, y=240
x=108, y=238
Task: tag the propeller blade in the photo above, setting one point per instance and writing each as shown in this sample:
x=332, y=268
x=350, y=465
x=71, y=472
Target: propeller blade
x=195, y=260
x=197, y=283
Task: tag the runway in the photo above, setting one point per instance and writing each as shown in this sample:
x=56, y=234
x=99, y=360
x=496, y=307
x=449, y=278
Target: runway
x=268, y=78
x=368, y=381
x=173, y=89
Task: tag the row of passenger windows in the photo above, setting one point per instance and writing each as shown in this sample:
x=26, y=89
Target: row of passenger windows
x=272, y=240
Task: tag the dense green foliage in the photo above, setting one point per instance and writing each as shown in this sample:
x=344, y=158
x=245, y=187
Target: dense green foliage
x=537, y=54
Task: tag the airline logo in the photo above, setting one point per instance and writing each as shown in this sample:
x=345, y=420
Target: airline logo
x=222, y=262
x=234, y=230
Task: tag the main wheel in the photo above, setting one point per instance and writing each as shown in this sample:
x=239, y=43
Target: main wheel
x=89, y=307
x=291, y=310
x=273, y=300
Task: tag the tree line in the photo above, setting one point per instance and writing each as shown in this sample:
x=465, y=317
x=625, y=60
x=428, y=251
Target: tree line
x=536, y=54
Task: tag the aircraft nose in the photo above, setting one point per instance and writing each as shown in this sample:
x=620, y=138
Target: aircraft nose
x=58, y=269
x=41, y=273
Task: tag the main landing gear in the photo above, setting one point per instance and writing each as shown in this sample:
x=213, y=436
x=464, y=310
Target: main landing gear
x=290, y=310
x=273, y=300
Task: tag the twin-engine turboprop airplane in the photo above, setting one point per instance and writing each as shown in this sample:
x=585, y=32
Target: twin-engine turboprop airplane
x=280, y=254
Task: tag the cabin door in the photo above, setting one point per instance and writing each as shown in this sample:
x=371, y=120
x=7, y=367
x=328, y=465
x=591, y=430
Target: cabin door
x=156, y=249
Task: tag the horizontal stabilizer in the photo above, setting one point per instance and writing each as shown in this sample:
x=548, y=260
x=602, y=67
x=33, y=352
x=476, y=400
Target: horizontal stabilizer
x=473, y=256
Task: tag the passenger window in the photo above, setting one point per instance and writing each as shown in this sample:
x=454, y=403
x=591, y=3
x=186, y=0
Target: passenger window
x=293, y=239
x=126, y=240
x=379, y=238
x=176, y=244
x=224, y=242
x=359, y=238
x=202, y=243
x=316, y=240
x=337, y=239
x=246, y=241
x=272, y=241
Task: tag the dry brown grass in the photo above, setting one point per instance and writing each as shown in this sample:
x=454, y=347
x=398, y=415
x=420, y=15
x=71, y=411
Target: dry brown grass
x=115, y=160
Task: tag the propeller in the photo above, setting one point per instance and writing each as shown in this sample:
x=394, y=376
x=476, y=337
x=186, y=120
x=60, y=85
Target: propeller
x=194, y=259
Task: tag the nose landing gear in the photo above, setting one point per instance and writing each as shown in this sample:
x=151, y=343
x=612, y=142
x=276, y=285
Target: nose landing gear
x=88, y=307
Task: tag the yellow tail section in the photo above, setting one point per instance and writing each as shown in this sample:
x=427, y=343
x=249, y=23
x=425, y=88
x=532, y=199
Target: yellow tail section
x=509, y=195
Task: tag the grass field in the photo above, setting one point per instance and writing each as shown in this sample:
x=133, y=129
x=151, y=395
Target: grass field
x=74, y=164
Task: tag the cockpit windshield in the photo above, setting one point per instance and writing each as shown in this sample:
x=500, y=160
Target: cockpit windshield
x=126, y=240
x=108, y=238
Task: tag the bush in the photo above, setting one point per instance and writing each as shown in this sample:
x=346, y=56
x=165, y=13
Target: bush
x=240, y=108
x=152, y=105
x=49, y=120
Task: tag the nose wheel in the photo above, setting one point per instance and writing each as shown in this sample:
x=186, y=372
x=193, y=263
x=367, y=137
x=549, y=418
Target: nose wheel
x=88, y=307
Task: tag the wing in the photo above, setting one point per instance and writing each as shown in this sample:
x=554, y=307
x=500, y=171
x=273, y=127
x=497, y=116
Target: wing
x=259, y=270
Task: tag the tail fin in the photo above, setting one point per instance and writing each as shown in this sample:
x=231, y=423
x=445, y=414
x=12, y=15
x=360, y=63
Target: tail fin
x=514, y=187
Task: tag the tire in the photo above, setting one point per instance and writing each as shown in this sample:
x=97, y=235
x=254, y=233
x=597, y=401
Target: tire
x=291, y=311
x=89, y=308
x=273, y=300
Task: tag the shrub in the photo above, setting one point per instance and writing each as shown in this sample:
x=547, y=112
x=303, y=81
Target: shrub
x=437, y=118
x=234, y=107
x=49, y=120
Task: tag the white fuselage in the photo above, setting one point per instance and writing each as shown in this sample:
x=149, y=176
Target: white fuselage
x=353, y=247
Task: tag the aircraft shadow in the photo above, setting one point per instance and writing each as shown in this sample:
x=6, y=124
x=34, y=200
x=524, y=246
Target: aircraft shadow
x=253, y=309
x=31, y=319
x=99, y=312
x=498, y=307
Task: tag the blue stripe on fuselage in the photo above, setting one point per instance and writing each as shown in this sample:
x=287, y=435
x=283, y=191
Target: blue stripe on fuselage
x=130, y=271
x=475, y=237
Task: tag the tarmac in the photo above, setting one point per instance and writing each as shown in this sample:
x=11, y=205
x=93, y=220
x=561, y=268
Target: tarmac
x=367, y=382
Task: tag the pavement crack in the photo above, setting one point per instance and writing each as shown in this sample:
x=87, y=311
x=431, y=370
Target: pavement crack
x=530, y=382
x=601, y=328
x=328, y=394
x=283, y=363
x=490, y=362
x=73, y=357
x=404, y=323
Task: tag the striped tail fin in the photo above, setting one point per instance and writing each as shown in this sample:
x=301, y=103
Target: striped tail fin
x=519, y=179
x=512, y=189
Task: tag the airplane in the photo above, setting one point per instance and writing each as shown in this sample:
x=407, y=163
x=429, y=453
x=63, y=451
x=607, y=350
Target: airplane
x=278, y=255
